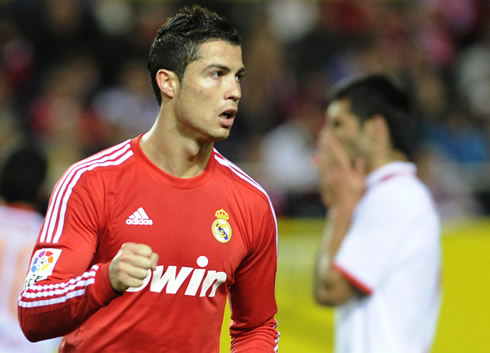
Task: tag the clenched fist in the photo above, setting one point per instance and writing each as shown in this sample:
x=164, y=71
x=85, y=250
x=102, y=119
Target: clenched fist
x=130, y=266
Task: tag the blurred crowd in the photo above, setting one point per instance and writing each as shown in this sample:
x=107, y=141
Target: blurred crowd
x=73, y=78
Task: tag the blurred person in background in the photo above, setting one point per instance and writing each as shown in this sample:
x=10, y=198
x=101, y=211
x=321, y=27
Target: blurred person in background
x=379, y=260
x=454, y=197
x=21, y=183
x=286, y=157
x=61, y=117
x=145, y=241
x=9, y=129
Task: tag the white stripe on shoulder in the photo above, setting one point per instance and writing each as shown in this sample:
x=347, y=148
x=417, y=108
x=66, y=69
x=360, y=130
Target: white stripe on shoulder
x=227, y=163
x=57, y=207
x=240, y=173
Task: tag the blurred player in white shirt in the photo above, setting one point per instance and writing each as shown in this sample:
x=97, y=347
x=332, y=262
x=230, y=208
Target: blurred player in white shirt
x=379, y=261
x=21, y=178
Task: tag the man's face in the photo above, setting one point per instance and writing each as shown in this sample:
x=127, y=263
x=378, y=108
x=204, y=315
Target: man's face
x=207, y=102
x=345, y=126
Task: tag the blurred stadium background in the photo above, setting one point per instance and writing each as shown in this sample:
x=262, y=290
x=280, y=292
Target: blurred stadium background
x=73, y=78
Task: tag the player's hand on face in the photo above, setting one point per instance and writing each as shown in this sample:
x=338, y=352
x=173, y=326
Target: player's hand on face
x=130, y=266
x=341, y=182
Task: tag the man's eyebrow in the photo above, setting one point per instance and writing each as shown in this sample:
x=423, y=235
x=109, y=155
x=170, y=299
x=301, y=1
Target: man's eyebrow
x=217, y=66
x=240, y=71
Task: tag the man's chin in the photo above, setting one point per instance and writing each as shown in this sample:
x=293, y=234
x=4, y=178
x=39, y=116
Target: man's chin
x=223, y=134
x=218, y=137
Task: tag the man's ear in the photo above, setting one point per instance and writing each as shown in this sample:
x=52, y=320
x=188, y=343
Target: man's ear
x=167, y=81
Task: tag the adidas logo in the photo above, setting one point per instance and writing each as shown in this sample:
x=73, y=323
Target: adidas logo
x=139, y=217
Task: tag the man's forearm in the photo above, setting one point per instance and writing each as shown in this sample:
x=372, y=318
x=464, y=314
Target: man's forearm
x=331, y=288
x=337, y=226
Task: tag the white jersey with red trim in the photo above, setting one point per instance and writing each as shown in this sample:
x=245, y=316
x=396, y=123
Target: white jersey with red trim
x=216, y=236
x=18, y=231
x=392, y=253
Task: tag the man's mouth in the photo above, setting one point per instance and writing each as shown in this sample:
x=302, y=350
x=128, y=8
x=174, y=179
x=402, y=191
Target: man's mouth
x=229, y=113
x=227, y=117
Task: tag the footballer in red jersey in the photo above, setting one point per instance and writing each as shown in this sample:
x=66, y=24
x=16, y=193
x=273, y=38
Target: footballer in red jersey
x=144, y=242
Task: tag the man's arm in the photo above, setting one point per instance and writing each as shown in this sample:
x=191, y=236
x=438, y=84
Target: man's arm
x=341, y=188
x=331, y=287
x=63, y=287
x=59, y=304
x=252, y=297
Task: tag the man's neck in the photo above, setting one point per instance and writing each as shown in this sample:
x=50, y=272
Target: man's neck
x=381, y=160
x=174, y=154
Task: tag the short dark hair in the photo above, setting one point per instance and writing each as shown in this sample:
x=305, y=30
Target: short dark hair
x=22, y=175
x=374, y=94
x=177, y=41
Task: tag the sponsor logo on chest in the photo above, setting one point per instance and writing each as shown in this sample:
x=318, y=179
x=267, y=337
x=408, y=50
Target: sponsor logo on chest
x=202, y=283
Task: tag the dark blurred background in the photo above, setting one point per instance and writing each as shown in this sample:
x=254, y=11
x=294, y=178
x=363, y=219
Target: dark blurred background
x=73, y=79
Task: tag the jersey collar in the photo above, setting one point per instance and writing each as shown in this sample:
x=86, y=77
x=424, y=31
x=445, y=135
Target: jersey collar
x=390, y=170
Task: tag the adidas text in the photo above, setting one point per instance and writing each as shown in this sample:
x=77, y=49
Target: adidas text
x=140, y=218
x=142, y=222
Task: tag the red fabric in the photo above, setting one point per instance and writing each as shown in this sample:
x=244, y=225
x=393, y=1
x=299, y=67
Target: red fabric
x=356, y=282
x=177, y=310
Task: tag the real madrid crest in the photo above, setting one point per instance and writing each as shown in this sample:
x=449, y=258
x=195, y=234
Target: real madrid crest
x=221, y=228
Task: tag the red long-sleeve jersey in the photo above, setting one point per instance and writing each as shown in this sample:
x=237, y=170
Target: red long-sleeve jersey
x=216, y=235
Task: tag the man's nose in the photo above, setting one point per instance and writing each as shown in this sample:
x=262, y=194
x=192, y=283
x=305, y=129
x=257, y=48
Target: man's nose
x=234, y=91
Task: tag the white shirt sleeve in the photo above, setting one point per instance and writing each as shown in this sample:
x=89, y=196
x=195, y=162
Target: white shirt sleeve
x=379, y=227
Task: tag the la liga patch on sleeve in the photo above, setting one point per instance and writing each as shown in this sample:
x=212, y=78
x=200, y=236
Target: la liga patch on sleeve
x=42, y=265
